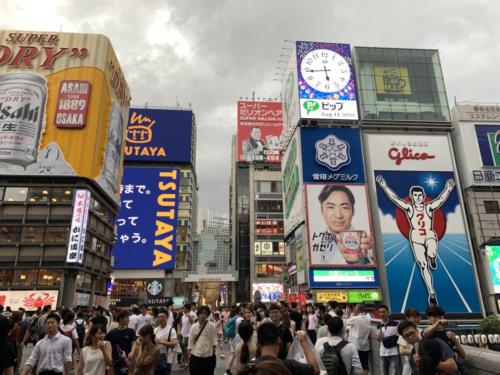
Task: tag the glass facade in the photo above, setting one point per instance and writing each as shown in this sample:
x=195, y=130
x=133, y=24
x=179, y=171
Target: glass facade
x=400, y=85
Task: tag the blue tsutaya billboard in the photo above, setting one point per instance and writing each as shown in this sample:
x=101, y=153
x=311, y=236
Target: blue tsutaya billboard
x=147, y=222
x=163, y=135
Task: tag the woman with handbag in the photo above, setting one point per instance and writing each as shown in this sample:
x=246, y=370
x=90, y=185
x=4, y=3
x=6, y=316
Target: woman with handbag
x=96, y=354
x=166, y=339
x=202, y=344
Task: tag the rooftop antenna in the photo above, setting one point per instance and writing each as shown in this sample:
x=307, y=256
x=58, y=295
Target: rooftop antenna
x=146, y=105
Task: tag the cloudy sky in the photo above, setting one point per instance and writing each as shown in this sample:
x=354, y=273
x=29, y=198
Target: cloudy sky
x=212, y=52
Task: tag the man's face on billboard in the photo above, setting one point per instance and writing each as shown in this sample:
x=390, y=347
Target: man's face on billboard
x=337, y=211
x=255, y=133
x=417, y=197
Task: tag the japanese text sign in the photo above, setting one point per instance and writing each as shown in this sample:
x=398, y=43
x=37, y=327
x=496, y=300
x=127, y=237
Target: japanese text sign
x=76, y=242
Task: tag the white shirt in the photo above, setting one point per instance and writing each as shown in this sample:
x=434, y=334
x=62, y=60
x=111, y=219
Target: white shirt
x=51, y=354
x=143, y=320
x=390, y=329
x=204, y=347
x=186, y=325
x=313, y=321
x=170, y=319
x=93, y=361
x=349, y=354
x=162, y=333
x=322, y=332
x=69, y=327
x=359, y=331
x=132, y=322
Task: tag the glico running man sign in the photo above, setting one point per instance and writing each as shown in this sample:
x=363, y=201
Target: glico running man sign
x=424, y=239
x=147, y=223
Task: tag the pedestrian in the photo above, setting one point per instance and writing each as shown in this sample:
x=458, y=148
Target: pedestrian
x=286, y=337
x=447, y=363
x=428, y=357
x=68, y=329
x=166, y=339
x=122, y=339
x=40, y=324
x=80, y=327
x=8, y=356
x=405, y=348
x=247, y=347
x=388, y=339
x=359, y=334
x=268, y=343
x=217, y=323
x=143, y=359
x=16, y=336
x=287, y=322
x=96, y=353
x=202, y=344
x=323, y=330
x=52, y=354
x=296, y=316
x=328, y=348
x=187, y=321
x=144, y=318
x=134, y=319
x=231, y=331
x=312, y=323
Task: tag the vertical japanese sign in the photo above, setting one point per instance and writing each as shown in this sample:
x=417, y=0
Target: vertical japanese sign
x=424, y=239
x=327, y=88
x=147, y=222
x=338, y=214
x=76, y=243
x=260, y=125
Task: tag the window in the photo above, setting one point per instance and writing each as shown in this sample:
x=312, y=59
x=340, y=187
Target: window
x=32, y=234
x=56, y=235
x=49, y=277
x=25, y=277
x=62, y=195
x=269, y=270
x=491, y=207
x=15, y=194
x=6, y=277
x=38, y=195
x=9, y=234
x=269, y=206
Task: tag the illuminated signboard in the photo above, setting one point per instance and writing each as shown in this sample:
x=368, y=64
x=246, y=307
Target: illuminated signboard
x=360, y=296
x=392, y=80
x=328, y=278
x=493, y=254
x=331, y=295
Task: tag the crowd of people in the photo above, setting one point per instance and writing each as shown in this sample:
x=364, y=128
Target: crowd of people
x=262, y=339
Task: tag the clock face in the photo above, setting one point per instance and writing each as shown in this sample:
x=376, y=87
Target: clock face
x=325, y=70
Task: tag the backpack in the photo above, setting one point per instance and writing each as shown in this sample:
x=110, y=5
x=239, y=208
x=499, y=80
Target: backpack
x=230, y=328
x=332, y=359
x=67, y=333
x=80, y=329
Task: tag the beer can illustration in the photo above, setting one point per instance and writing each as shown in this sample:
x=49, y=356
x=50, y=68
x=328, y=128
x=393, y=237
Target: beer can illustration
x=112, y=156
x=22, y=111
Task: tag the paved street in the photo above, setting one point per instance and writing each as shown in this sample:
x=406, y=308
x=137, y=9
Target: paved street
x=221, y=362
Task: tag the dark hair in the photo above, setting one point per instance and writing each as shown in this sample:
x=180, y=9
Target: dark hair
x=147, y=330
x=384, y=307
x=46, y=308
x=361, y=307
x=144, y=306
x=264, y=367
x=122, y=314
x=333, y=305
x=17, y=316
x=204, y=308
x=245, y=330
x=4, y=327
x=68, y=317
x=163, y=311
x=412, y=313
x=434, y=311
x=54, y=316
x=285, y=319
x=274, y=307
x=136, y=310
x=293, y=305
x=326, y=318
x=430, y=353
x=93, y=330
x=155, y=311
x=335, y=325
x=329, y=189
x=405, y=324
x=267, y=334
x=416, y=189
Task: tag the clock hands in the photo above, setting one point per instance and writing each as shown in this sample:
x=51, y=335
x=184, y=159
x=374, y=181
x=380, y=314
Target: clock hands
x=317, y=70
x=326, y=72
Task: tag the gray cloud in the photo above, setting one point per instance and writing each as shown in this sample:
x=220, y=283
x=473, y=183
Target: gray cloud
x=209, y=53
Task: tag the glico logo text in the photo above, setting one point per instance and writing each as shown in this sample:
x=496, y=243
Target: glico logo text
x=407, y=154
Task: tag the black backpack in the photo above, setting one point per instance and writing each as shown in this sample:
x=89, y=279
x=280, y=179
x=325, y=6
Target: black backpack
x=80, y=329
x=332, y=359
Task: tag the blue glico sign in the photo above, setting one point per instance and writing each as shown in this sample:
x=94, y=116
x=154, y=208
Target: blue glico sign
x=147, y=222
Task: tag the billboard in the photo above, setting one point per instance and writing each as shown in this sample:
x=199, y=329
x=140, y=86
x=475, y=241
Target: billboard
x=346, y=278
x=163, y=135
x=28, y=299
x=338, y=213
x=63, y=101
x=290, y=93
x=269, y=292
x=327, y=88
x=424, y=239
x=493, y=254
x=292, y=185
x=76, y=241
x=260, y=125
x=147, y=222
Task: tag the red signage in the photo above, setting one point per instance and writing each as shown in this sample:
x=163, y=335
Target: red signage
x=72, y=104
x=407, y=154
x=259, y=131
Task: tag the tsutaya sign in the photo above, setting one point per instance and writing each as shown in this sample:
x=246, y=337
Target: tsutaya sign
x=424, y=240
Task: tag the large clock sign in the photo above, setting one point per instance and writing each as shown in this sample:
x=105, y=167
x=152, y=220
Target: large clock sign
x=326, y=82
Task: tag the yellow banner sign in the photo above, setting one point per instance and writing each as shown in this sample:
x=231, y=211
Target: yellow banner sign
x=331, y=295
x=392, y=80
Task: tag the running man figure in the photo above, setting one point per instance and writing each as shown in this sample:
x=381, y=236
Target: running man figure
x=423, y=239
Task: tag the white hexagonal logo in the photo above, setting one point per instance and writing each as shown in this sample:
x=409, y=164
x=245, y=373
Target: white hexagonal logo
x=333, y=153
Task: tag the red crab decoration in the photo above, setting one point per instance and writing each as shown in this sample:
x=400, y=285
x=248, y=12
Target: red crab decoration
x=32, y=302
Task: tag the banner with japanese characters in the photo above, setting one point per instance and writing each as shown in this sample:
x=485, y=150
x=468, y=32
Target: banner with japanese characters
x=76, y=242
x=338, y=212
x=147, y=222
x=260, y=125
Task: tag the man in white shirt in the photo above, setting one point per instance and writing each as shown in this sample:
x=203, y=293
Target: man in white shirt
x=144, y=318
x=359, y=334
x=348, y=352
x=388, y=337
x=166, y=339
x=187, y=321
x=52, y=354
x=202, y=344
x=133, y=321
